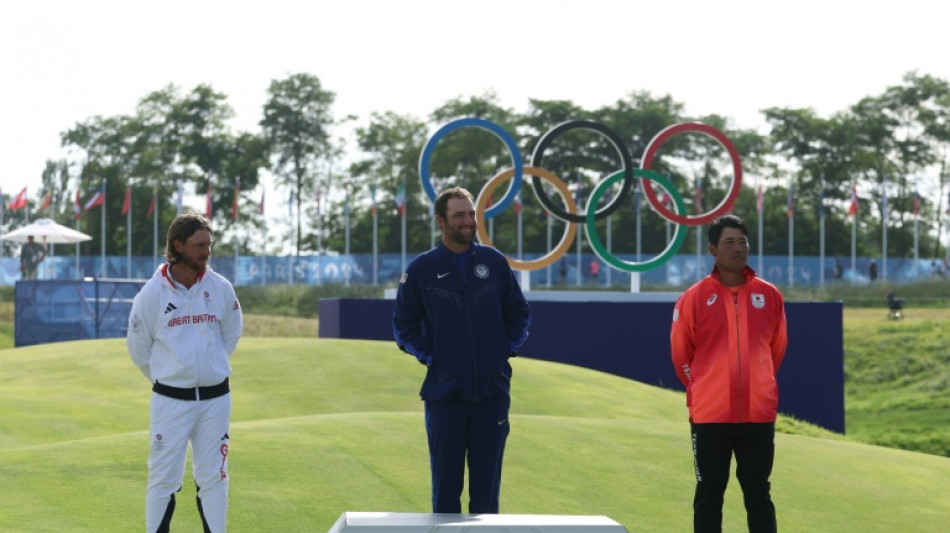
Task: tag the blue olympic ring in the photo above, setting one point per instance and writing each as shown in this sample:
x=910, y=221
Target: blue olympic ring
x=516, y=161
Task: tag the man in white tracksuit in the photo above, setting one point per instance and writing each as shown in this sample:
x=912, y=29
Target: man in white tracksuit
x=184, y=325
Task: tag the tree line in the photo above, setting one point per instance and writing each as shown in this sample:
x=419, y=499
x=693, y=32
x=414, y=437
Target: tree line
x=891, y=148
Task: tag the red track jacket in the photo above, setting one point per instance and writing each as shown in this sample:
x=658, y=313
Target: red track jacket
x=727, y=344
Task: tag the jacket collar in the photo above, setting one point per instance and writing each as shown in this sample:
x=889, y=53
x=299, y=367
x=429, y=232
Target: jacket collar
x=445, y=249
x=748, y=271
x=172, y=282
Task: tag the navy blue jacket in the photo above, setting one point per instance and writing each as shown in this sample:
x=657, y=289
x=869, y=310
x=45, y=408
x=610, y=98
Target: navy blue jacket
x=463, y=325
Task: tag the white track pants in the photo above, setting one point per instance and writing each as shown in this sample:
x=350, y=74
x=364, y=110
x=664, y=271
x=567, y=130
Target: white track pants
x=175, y=424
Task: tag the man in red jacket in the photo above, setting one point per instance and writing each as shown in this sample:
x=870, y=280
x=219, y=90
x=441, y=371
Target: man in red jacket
x=727, y=340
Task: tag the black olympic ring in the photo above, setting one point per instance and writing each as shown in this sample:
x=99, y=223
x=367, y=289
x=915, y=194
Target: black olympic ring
x=614, y=139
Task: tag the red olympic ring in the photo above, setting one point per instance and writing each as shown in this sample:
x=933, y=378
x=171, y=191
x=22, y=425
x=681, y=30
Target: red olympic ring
x=731, y=196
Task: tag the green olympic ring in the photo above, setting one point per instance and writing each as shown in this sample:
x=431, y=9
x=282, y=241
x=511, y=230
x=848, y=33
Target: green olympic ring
x=590, y=227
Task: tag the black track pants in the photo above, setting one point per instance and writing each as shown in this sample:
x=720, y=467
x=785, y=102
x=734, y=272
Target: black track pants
x=754, y=448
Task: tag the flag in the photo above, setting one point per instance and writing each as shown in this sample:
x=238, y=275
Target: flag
x=178, y=204
x=401, y=198
x=208, y=202
x=260, y=208
x=151, y=204
x=518, y=203
x=759, y=200
x=790, y=208
x=853, y=208
x=77, y=206
x=234, y=204
x=127, y=204
x=916, y=202
x=97, y=199
x=47, y=200
x=19, y=202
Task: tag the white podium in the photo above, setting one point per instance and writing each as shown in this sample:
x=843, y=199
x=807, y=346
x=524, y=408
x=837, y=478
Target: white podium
x=362, y=522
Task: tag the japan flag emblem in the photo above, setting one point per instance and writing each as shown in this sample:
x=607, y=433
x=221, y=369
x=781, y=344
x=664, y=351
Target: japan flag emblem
x=758, y=300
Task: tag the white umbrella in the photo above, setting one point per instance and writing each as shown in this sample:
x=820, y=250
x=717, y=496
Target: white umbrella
x=47, y=231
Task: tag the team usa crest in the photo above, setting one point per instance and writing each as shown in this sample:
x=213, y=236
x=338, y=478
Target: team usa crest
x=481, y=271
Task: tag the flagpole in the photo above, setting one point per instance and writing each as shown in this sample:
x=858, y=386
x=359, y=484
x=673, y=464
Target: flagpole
x=128, y=234
x=236, y=215
x=548, y=220
x=759, y=204
x=791, y=233
x=431, y=226
x=520, y=257
x=375, y=238
x=77, y=213
x=916, y=251
x=854, y=246
x=346, y=227
x=102, y=228
x=401, y=204
x=699, y=229
x=155, y=225
x=821, y=232
x=263, y=238
x=883, y=227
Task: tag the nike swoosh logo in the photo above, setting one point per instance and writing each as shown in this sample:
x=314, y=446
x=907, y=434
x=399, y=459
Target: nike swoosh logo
x=440, y=276
x=502, y=422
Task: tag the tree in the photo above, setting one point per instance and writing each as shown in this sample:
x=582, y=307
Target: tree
x=391, y=144
x=297, y=123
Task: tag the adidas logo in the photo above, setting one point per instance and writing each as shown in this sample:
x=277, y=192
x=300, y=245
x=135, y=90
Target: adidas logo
x=171, y=307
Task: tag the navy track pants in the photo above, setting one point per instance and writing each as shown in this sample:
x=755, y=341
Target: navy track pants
x=460, y=430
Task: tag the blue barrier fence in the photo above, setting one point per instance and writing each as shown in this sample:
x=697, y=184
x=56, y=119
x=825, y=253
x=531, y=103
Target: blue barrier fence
x=358, y=268
x=68, y=310
x=631, y=339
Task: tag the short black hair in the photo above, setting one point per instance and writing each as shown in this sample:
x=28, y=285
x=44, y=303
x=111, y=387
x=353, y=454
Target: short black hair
x=726, y=221
x=442, y=202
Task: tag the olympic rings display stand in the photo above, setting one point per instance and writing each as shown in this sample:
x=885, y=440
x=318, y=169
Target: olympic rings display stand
x=362, y=522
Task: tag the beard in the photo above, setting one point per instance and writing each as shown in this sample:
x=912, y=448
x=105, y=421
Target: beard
x=459, y=234
x=198, y=265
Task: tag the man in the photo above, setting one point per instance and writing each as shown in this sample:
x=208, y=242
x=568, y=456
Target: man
x=727, y=340
x=31, y=255
x=184, y=326
x=460, y=312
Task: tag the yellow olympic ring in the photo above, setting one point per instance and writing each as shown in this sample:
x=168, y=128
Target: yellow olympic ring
x=570, y=229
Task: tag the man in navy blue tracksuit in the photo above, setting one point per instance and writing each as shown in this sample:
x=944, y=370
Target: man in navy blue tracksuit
x=460, y=312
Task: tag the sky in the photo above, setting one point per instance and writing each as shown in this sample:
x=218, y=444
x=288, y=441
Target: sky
x=65, y=61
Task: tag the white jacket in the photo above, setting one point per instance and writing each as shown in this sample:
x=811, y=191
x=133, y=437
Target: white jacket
x=184, y=337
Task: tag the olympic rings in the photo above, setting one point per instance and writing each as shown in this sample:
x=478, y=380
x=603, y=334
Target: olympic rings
x=731, y=196
x=614, y=139
x=590, y=228
x=499, y=132
x=570, y=231
x=627, y=173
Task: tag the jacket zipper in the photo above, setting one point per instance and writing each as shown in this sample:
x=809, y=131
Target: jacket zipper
x=471, y=334
x=735, y=303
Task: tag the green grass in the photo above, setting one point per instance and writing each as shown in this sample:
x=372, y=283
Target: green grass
x=897, y=374
x=321, y=426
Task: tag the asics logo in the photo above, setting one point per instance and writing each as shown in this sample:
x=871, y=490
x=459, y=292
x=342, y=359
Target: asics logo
x=171, y=307
x=711, y=300
x=440, y=276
